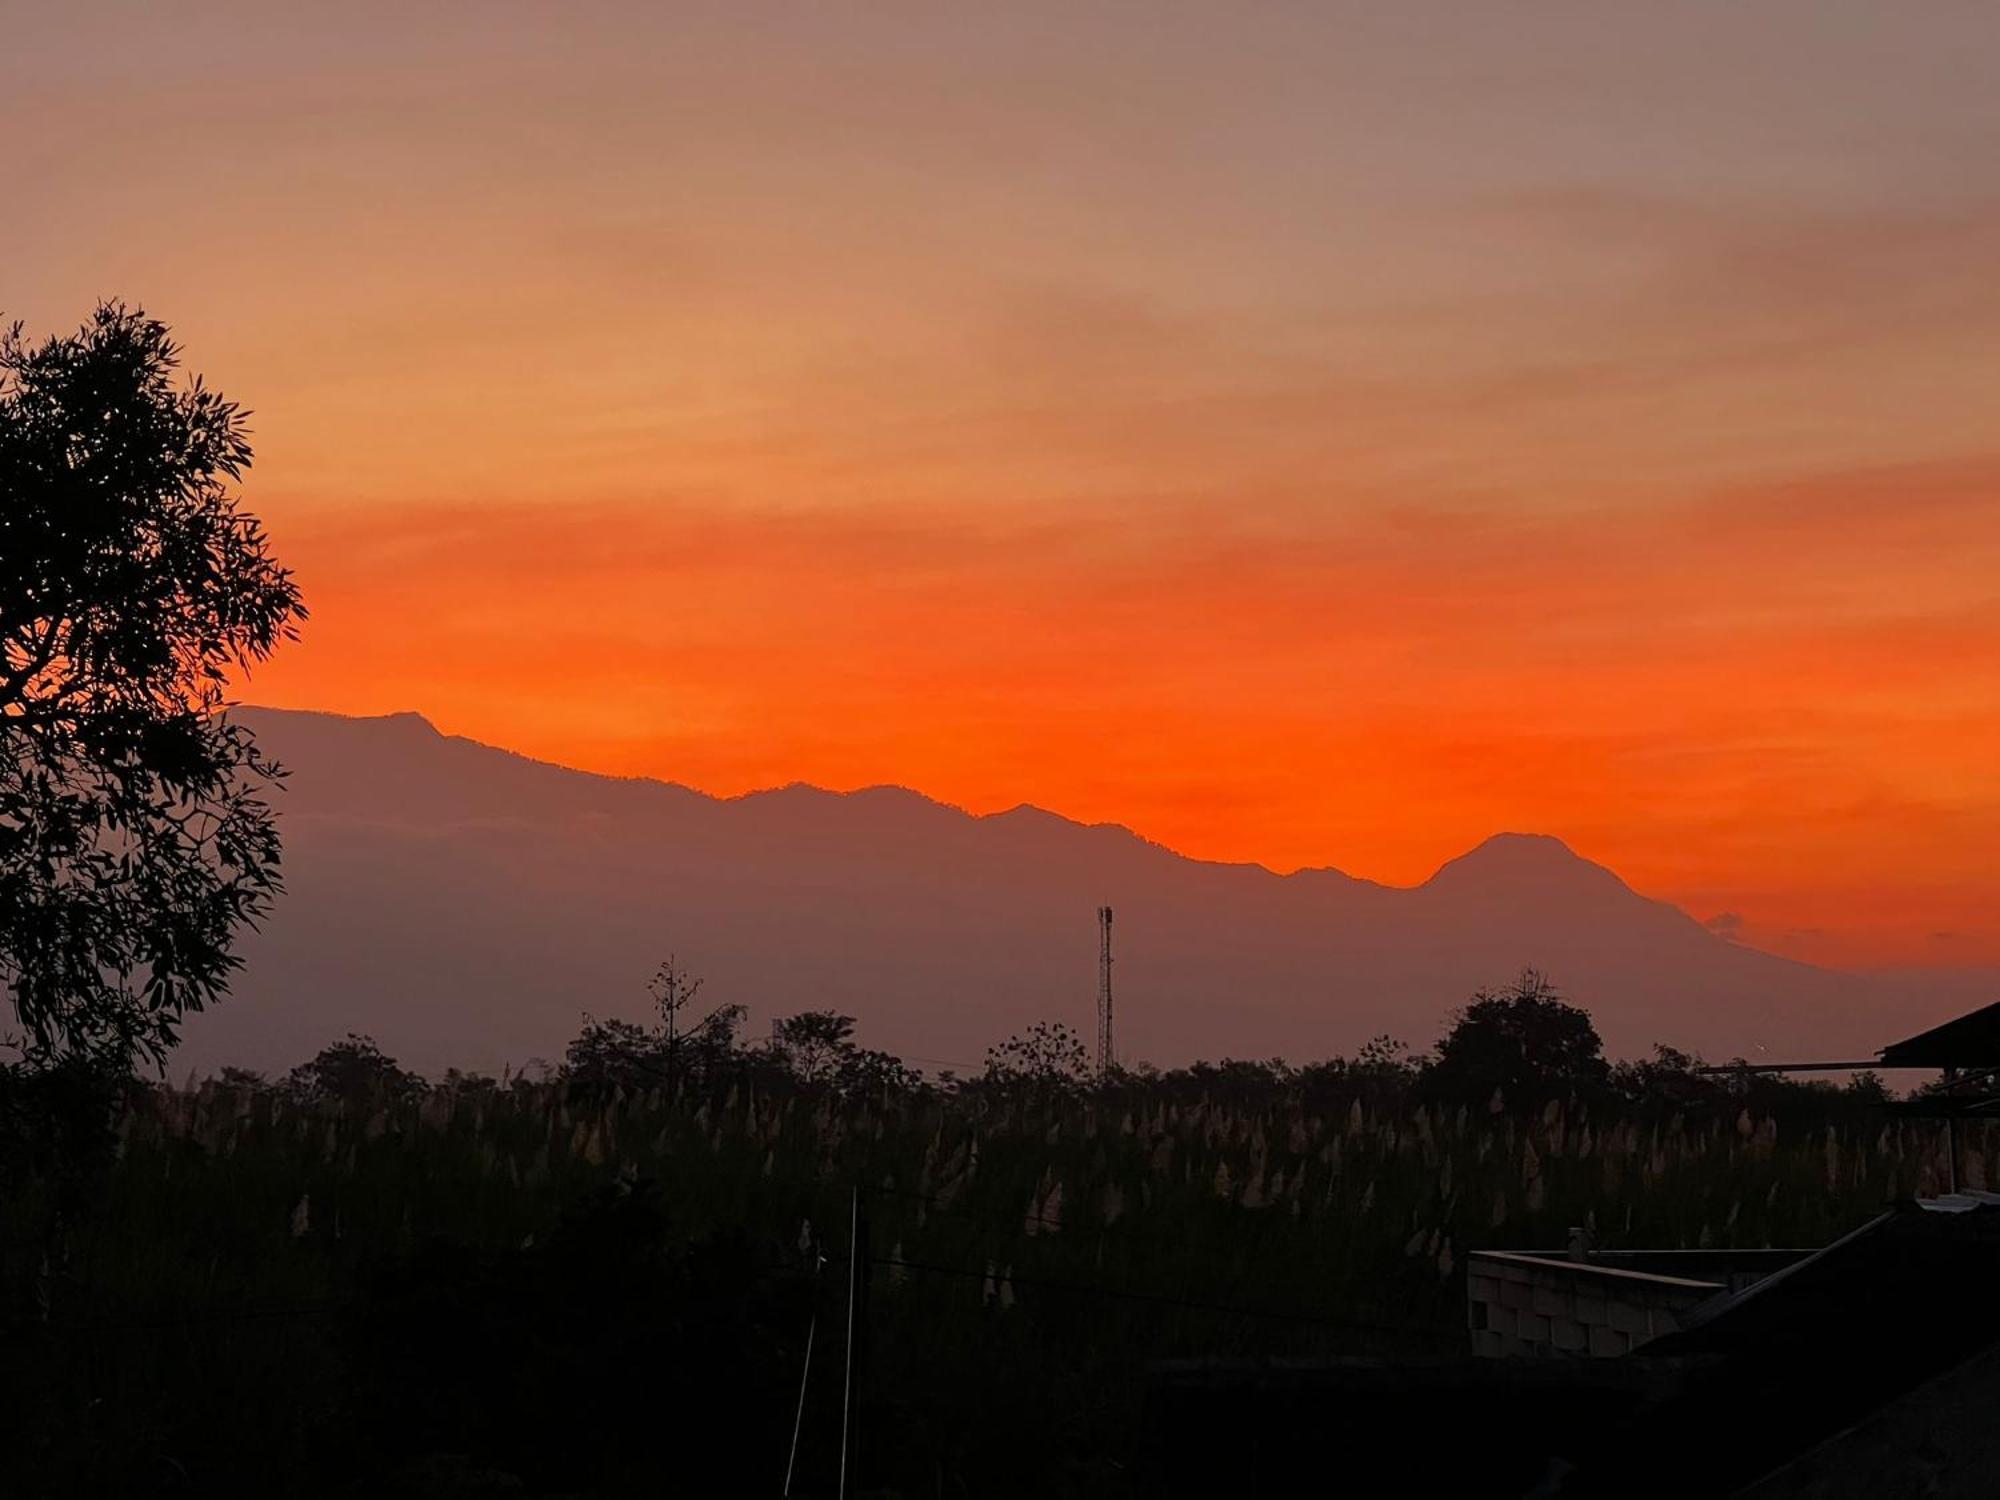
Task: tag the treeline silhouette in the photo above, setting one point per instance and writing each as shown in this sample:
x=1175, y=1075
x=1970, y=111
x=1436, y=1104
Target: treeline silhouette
x=596, y=1277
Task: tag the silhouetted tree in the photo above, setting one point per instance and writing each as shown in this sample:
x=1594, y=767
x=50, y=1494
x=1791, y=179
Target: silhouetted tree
x=470, y=1085
x=1521, y=1046
x=617, y=1054
x=862, y=1070
x=1867, y=1087
x=1380, y=1075
x=685, y=1042
x=614, y=1054
x=1239, y=1082
x=357, y=1073
x=1668, y=1079
x=1047, y=1056
x=56, y=1120
x=815, y=1043
x=134, y=838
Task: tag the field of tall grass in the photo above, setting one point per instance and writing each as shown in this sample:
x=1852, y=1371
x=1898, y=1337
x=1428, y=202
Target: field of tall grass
x=523, y=1290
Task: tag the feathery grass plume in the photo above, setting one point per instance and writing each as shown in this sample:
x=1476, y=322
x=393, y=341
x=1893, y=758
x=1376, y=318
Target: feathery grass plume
x=1367, y=1199
x=435, y=1112
x=1357, y=1120
x=1007, y=1288
x=1224, y=1188
x=1253, y=1191
x=302, y=1217
x=1051, y=1219
x=989, y=1289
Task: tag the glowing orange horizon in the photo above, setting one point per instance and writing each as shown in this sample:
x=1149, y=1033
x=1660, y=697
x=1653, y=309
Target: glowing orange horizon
x=1378, y=698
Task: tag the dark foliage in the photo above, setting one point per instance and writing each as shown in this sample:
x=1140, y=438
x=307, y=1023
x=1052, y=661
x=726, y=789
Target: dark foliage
x=477, y=1293
x=356, y=1073
x=1047, y=1058
x=617, y=1055
x=609, y=1359
x=1517, y=1049
x=56, y=1120
x=814, y=1044
x=134, y=835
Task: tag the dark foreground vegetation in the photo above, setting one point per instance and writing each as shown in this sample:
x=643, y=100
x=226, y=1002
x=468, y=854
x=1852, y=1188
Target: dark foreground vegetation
x=603, y=1279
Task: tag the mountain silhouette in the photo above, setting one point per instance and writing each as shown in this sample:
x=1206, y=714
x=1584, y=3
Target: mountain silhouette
x=466, y=905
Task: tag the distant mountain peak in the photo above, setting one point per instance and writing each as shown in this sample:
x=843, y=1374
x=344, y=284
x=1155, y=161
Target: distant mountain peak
x=1536, y=862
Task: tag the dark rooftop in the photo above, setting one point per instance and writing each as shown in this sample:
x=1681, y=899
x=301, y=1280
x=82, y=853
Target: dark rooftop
x=1970, y=1041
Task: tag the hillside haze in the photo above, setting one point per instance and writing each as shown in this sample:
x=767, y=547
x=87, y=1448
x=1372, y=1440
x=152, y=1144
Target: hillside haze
x=466, y=905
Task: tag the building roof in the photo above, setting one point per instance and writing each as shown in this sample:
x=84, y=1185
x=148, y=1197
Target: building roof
x=1783, y=1365
x=1970, y=1041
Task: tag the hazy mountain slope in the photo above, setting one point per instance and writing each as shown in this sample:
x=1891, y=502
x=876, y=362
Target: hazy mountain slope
x=465, y=905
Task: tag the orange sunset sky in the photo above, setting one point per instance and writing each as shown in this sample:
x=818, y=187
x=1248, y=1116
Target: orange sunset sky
x=1307, y=434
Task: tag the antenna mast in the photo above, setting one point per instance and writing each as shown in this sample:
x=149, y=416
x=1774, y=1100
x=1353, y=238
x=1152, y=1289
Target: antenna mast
x=1104, y=1053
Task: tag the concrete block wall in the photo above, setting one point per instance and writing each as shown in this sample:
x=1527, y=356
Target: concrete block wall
x=1542, y=1305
